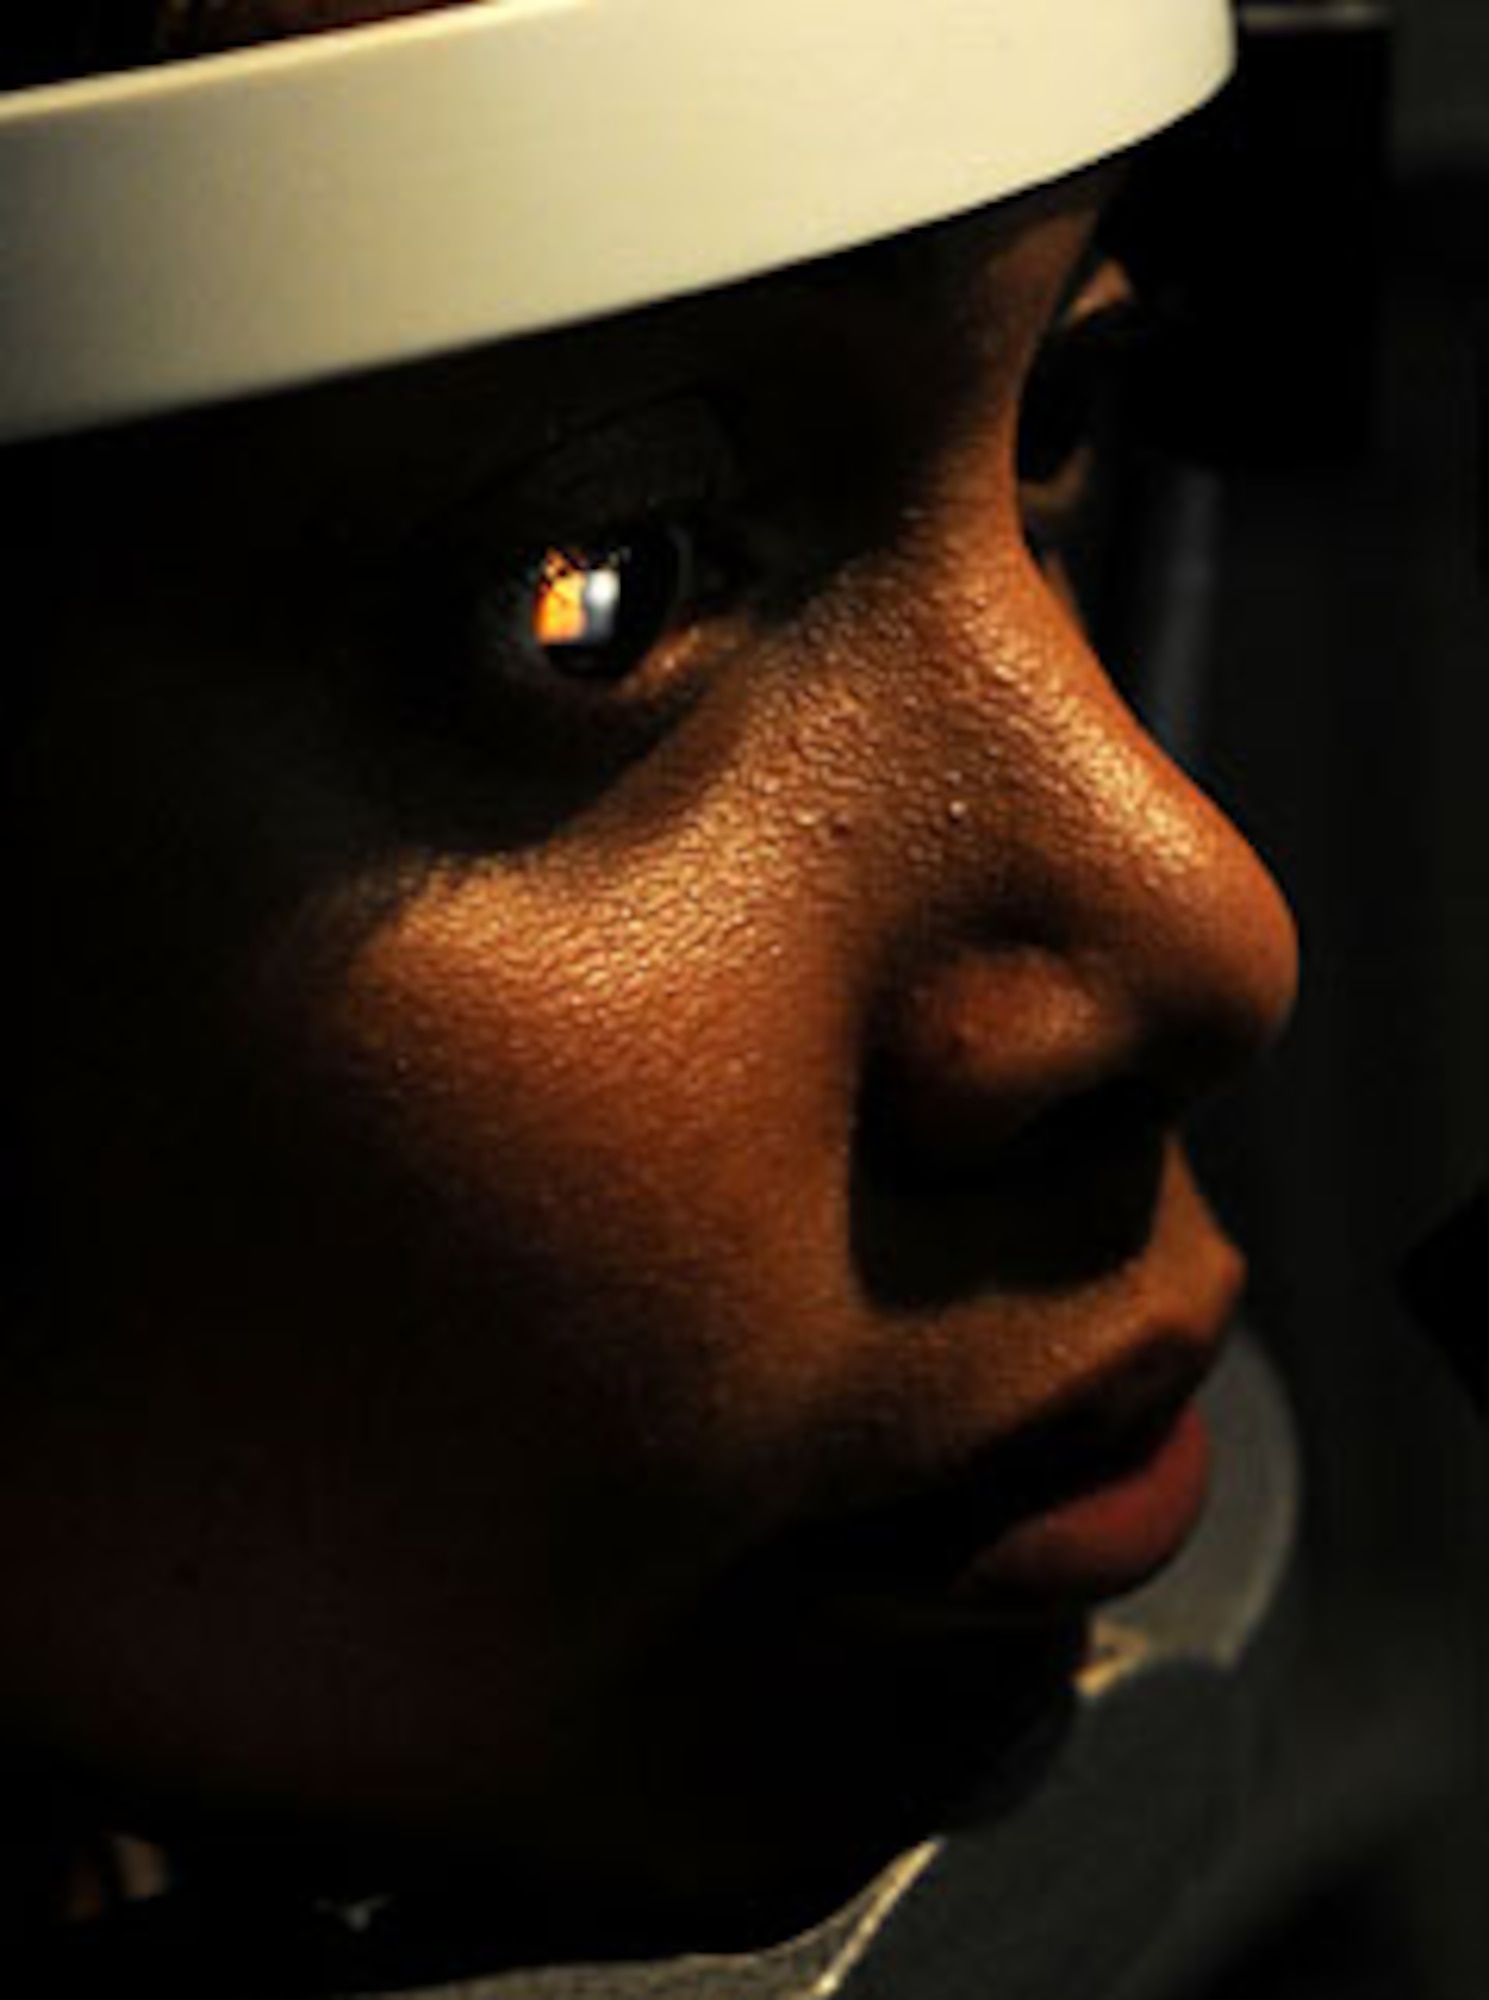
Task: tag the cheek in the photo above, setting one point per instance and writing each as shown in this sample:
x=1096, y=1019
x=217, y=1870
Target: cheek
x=612, y=1137
x=485, y=1317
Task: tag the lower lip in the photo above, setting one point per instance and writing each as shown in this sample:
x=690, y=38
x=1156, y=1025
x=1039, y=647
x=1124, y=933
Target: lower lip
x=1103, y=1542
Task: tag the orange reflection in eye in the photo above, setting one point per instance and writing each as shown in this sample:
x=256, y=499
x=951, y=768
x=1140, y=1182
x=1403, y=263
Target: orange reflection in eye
x=561, y=614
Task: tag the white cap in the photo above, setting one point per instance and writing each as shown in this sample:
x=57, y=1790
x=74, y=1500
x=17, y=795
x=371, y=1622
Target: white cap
x=290, y=213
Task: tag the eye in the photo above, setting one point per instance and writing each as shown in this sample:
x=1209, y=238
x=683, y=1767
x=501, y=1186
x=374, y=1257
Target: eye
x=594, y=613
x=1058, y=414
x=1074, y=412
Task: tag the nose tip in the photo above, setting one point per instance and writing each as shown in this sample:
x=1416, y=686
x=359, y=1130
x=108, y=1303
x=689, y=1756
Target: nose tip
x=1018, y=1113
x=1201, y=954
x=1118, y=912
x=1130, y=955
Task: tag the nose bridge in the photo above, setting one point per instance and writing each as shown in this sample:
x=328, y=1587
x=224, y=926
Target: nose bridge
x=1042, y=816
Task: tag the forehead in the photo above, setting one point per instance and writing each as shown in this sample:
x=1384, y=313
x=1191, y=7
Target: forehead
x=925, y=308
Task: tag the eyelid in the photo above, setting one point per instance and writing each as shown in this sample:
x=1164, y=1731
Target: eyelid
x=1102, y=287
x=665, y=459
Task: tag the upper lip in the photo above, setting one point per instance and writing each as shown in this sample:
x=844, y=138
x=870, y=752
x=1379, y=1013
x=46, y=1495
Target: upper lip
x=923, y=1537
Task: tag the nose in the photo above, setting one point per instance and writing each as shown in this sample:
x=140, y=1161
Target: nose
x=1095, y=945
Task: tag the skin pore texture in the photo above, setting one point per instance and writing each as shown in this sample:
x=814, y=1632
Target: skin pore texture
x=528, y=1161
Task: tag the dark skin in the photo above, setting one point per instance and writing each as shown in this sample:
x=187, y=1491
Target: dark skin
x=539, y=1146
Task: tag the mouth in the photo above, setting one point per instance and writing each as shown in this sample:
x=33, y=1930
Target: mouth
x=1083, y=1505
x=1105, y=1538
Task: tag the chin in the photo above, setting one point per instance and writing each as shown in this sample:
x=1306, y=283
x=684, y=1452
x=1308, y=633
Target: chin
x=746, y=1824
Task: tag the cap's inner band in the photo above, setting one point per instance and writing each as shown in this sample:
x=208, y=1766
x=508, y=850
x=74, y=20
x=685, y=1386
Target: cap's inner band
x=294, y=212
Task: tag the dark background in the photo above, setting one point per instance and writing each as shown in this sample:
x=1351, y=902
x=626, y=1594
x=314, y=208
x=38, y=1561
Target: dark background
x=1329, y=679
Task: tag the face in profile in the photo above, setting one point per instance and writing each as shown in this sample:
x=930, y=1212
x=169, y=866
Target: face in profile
x=614, y=992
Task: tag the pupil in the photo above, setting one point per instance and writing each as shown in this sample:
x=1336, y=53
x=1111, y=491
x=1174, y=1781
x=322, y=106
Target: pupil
x=595, y=616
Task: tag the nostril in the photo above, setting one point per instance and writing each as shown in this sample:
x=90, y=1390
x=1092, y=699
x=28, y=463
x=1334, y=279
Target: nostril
x=1106, y=1131
x=1067, y=1197
x=969, y=1147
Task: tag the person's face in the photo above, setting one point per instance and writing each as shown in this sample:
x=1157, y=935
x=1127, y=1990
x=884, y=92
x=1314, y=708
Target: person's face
x=554, y=1154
